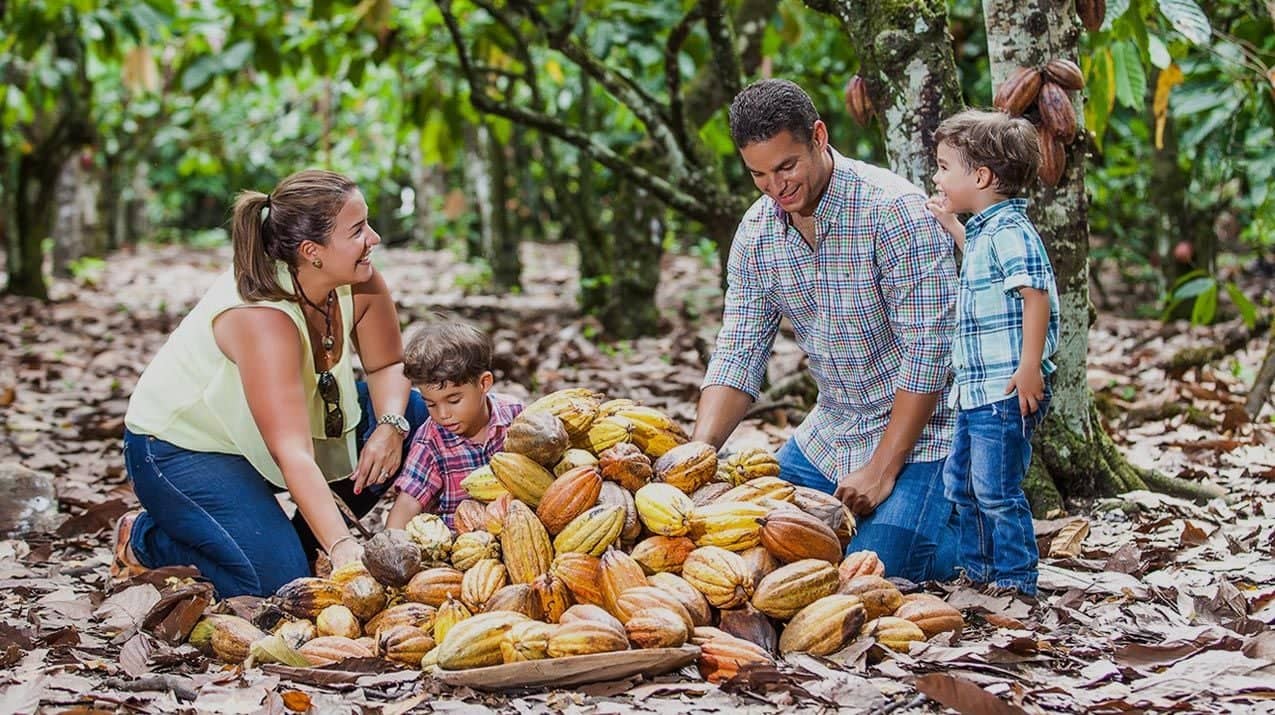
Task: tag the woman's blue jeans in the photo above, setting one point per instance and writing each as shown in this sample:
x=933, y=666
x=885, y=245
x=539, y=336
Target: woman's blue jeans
x=216, y=512
x=913, y=531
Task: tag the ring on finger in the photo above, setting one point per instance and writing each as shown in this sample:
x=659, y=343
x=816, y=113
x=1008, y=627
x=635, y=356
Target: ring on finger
x=385, y=473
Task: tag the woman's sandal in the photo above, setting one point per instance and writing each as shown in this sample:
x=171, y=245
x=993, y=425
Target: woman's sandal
x=124, y=564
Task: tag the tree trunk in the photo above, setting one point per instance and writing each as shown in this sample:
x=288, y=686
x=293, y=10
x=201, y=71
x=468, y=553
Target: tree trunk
x=1075, y=456
x=502, y=238
x=637, y=224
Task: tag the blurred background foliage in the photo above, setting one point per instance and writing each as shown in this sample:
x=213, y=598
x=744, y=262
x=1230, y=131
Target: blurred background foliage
x=165, y=108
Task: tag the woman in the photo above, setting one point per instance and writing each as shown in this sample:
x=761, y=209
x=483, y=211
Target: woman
x=255, y=393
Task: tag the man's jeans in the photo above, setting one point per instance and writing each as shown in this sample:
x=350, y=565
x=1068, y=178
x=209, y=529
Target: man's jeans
x=984, y=478
x=912, y=531
x=216, y=512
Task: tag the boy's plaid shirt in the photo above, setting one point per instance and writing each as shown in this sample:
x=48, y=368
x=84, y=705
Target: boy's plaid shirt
x=438, y=459
x=873, y=307
x=1003, y=252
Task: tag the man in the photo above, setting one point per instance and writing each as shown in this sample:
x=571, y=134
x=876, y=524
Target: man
x=848, y=253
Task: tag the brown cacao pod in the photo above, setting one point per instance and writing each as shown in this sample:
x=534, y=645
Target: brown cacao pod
x=589, y=612
x=720, y=575
x=687, y=467
x=894, y=633
x=582, y=574
x=858, y=103
x=1092, y=13
x=525, y=641
x=449, y=614
x=364, y=596
x=518, y=598
x=327, y=650
x=525, y=544
x=1018, y=91
x=553, y=595
x=626, y=465
x=656, y=628
x=614, y=494
x=337, y=620
x=538, y=435
x=640, y=598
x=709, y=493
x=931, y=616
x=1064, y=73
x=404, y=614
x=471, y=547
x=861, y=563
x=788, y=589
x=1053, y=157
x=823, y=627
x=1056, y=112
x=585, y=637
x=522, y=476
x=657, y=554
x=879, y=596
x=570, y=495
x=692, y=600
x=750, y=624
x=433, y=586
x=723, y=656
x=471, y=515
x=392, y=557
x=404, y=644
x=759, y=562
x=305, y=597
x=795, y=535
x=482, y=582
x=475, y=642
x=618, y=572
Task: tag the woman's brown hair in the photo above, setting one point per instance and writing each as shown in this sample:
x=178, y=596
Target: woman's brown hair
x=270, y=227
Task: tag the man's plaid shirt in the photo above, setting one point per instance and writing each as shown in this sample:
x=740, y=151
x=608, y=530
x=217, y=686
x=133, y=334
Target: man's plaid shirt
x=1003, y=252
x=873, y=307
x=439, y=459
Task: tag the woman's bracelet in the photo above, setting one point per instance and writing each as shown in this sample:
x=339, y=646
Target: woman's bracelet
x=347, y=537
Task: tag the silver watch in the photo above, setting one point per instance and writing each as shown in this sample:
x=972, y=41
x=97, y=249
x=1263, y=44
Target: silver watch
x=398, y=422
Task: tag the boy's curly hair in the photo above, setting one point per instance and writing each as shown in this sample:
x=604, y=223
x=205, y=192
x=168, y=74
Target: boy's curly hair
x=450, y=351
x=1006, y=145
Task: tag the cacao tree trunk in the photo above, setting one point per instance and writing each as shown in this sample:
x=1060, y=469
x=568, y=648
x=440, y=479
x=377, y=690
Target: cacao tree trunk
x=1074, y=455
x=502, y=237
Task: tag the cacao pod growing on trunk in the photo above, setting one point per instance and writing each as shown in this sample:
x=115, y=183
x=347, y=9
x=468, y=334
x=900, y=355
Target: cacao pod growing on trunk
x=1053, y=157
x=1092, y=13
x=858, y=103
x=1056, y=112
x=1065, y=74
x=1018, y=92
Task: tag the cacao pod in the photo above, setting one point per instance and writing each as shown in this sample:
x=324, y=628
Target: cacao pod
x=432, y=536
x=788, y=589
x=709, y=493
x=750, y=624
x=605, y=433
x=1018, y=91
x=525, y=544
x=795, y=535
x=626, y=465
x=613, y=407
x=687, y=467
x=720, y=575
x=656, y=628
x=231, y=637
x=858, y=103
x=470, y=516
x=1092, y=13
x=449, y=614
x=433, y=586
x=518, y=598
x=1056, y=112
x=582, y=574
x=615, y=495
x=525, y=641
x=664, y=509
x=1053, y=157
x=553, y=595
x=592, y=532
x=879, y=596
x=760, y=489
x=759, y=562
x=482, y=582
x=640, y=598
x=588, y=612
x=931, y=616
x=305, y=597
x=404, y=614
x=585, y=637
x=570, y=495
x=658, y=554
x=348, y=572
x=823, y=627
x=326, y=650
x=472, y=547
x=1065, y=74
x=475, y=642
x=692, y=600
x=482, y=484
x=573, y=459
x=496, y=511
x=860, y=563
x=392, y=557
x=653, y=431
x=538, y=435
x=576, y=408
x=364, y=596
x=337, y=620
x=295, y=632
x=521, y=476
x=404, y=644
x=723, y=656
x=618, y=572
x=734, y=526
x=894, y=633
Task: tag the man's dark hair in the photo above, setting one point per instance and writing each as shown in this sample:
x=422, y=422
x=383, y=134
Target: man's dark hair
x=764, y=109
x=1006, y=145
x=447, y=352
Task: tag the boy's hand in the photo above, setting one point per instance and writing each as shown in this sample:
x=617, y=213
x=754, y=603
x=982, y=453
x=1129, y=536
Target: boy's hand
x=939, y=207
x=1031, y=387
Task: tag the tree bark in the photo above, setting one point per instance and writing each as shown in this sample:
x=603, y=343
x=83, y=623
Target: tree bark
x=1075, y=456
x=502, y=238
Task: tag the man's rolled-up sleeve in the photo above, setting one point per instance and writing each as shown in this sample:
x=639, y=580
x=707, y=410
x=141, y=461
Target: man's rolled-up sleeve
x=919, y=285
x=750, y=322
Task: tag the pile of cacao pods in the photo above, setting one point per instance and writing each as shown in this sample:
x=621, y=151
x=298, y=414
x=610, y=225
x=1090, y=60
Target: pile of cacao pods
x=599, y=528
x=1046, y=89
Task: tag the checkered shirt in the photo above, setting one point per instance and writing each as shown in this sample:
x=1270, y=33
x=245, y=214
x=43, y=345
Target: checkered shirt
x=439, y=459
x=1003, y=253
x=873, y=307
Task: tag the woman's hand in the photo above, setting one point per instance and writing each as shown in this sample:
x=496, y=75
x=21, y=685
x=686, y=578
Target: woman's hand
x=380, y=458
x=344, y=551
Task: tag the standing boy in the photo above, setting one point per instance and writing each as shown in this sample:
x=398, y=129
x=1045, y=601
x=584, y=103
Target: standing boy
x=1007, y=327
x=450, y=363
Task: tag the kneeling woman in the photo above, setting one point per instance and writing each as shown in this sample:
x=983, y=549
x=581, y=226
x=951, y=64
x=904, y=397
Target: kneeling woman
x=254, y=393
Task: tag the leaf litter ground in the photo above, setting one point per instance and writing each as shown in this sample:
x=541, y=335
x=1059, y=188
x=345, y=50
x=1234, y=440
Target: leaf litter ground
x=1149, y=603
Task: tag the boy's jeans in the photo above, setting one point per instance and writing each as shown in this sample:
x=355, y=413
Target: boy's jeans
x=216, y=512
x=912, y=531
x=984, y=478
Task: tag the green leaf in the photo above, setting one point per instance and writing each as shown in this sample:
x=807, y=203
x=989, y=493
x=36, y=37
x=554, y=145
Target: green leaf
x=1130, y=77
x=1098, y=80
x=236, y=56
x=1248, y=311
x=199, y=73
x=1115, y=10
x=1158, y=52
x=1188, y=19
x=1189, y=287
x=1205, y=307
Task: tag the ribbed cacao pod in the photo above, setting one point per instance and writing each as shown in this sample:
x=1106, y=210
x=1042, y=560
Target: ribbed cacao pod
x=692, y=600
x=482, y=582
x=788, y=589
x=656, y=628
x=404, y=644
x=654, y=432
x=404, y=614
x=605, y=433
x=720, y=575
x=482, y=485
x=475, y=642
x=823, y=627
x=518, y=598
x=470, y=516
x=664, y=509
x=687, y=467
x=471, y=547
x=626, y=465
x=1056, y=112
x=723, y=656
x=1064, y=73
x=1053, y=157
x=337, y=620
x=618, y=573
x=1018, y=91
x=760, y=562
x=449, y=614
x=576, y=407
x=931, y=616
x=348, y=572
x=570, y=495
x=522, y=476
x=431, y=534
x=525, y=544
x=613, y=407
x=231, y=637
x=858, y=103
x=585, y=637
x=709, y=493
x=364, y=596
x=759, y=490
x=582, y=574
x=861, y=563
x=750, y=624
x=538, y=435
x=392, y=557
x=433, y=586
x=327, y=650
x=613, y=494
x=795, y=535
x=748, y=464
x=496, y=511
x=894, y=633
x=307, y=596
x=1092, y=13
x=525, y=641
x=589, y=612
x=657, y=554
x=734, y=526
x=640, y=598
x=592, y=532
x=553, y=595
x=573, y=459
x=879, y=596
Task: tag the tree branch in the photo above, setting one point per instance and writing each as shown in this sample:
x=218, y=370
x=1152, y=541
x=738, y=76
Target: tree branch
x=672, y=73
x=722, y=39
x=704, y=95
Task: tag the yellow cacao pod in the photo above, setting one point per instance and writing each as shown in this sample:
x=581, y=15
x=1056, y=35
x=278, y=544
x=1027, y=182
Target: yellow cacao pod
x=656, y=628
x=521, y=476
x=894, y=633
x=605, y=433
x=823, y=627
x=481, y=484
x=404, y=644
x=348, y=572
x=449, y=614
x=364, y=596
x=879, y=596
x=524, y=641
x=720, y=575
x=687, y=467
x=592, y=532
x=734, y=526
x=482, y=582
x=614, y=494
x=475, y=642
x=337, y=620
x=432, y=536
x=653, y=431
x=748, y=464
x=788, y=589
x=613, y=407
x=404, y=614
x=760, y=489
x=664, y=509
x=575, y=407
x=295, y=632
x=472, y=547
x=585, y=637
x=231, y=637
x=525, y=544
x=573, y=459
x=691, y=599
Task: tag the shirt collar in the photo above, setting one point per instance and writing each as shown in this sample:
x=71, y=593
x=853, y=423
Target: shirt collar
x=980, y=219
x=499, y=417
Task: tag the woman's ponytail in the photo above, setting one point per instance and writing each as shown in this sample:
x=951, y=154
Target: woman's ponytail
x=255, y=272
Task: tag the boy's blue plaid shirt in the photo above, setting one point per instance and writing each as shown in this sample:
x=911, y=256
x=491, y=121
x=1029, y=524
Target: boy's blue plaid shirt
x=1003, y=252
x=873, y=307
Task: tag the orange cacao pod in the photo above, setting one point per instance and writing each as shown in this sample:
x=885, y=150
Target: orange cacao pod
x=722, y=656
x=471, y=515
x=1018, y=91
x=326, y=650
x=570, y=495
x=433, y=586
x=640, y=598
x=553, y=595
x=582, y=574
x=861, y=563
x=619, y=573
x=516, y=598
x=585, y=637
x=795, y=535
x=589, y=612
x=626, y=465
x=404, y=614
x=404, y=644
x=525, y=544
x=931, y=616
x=858, y=103
x=656, y=628
x=658, y=554
x=687, y=467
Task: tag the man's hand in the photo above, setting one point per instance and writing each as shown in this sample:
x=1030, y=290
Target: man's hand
x=1030, y=383
x=865, y=488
